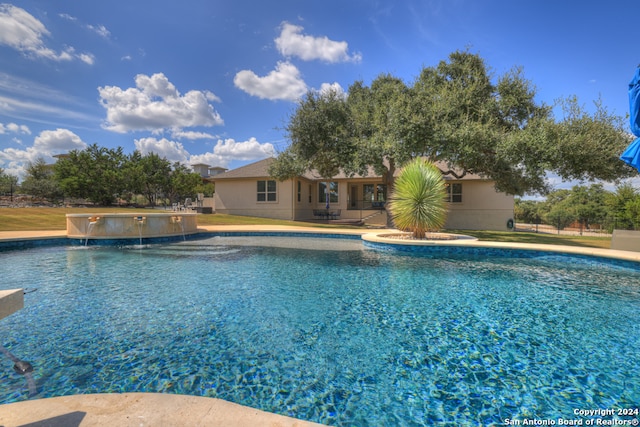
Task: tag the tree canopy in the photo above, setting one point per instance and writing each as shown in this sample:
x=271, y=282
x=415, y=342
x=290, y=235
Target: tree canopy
x=94, y=173
x=8, y=183
x=39, y=181
x=456, y=113
x=102, y=175
x=584, y=207
x=148, y=175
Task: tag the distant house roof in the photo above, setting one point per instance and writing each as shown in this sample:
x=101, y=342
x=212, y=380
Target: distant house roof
x=207, y=172
x=260, y=169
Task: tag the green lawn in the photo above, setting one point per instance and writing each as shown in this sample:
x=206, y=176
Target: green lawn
x=541, y=238
x=27, y=219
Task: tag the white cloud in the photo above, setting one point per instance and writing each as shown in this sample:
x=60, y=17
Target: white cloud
x=22, y=31
x=191, y=135
x=335, y=87
x=87, y=58
x=14, y=128
x=14, y=161
x=223, y=152
x=211, y=96
x=283, y=83
x=209, y=159
x=45, y=145
x=67, y=17
x=292, y=43
x=246, y=150
x=100, y=30
x=58, y=141
x=171, y=150
x=155, y=105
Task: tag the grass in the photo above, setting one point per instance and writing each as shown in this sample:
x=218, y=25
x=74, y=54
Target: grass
x=539, y=238
x=27, y=219
x=35, y=219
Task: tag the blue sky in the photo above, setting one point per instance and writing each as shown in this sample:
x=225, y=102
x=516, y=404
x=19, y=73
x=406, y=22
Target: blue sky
x=207, y=81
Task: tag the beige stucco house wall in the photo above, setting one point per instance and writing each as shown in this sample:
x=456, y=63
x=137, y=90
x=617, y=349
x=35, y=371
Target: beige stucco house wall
x=238, y=197
x=236, y=193
x=481, y=208
x=476, y=205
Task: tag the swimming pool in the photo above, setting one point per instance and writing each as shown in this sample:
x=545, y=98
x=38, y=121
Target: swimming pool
x=328, y=330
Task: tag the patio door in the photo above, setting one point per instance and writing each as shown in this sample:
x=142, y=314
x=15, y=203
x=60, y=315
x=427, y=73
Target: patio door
x=353, y=196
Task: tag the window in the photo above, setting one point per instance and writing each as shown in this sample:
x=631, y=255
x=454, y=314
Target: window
x=267, y=191
x=381, y=193
x=299, y=191
x=368, y=193
x=374, y=196
x=454, y=193
x=333, y=192
x=310, y=192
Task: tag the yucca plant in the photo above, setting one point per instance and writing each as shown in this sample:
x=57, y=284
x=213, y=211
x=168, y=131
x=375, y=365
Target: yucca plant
x=418, y=202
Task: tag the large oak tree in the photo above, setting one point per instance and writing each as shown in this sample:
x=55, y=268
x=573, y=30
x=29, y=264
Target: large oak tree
x=458, y=113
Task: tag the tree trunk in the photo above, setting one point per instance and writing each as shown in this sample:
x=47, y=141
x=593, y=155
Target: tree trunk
x=389, y=179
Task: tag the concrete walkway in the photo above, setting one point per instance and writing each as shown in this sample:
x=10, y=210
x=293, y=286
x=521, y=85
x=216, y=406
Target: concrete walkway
x=32, y=235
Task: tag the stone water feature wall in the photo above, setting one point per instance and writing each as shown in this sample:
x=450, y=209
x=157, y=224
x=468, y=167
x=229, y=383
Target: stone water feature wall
x=130, y=226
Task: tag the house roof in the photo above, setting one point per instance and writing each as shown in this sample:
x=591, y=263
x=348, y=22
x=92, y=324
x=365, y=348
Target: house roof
x=260, y=169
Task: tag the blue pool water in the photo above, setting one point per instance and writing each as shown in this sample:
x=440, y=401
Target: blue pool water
x=328, y=330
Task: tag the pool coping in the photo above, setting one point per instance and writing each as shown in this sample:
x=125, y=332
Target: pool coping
x=371, y=235
x=165, y=409
x=139, y=409
x=379, y=237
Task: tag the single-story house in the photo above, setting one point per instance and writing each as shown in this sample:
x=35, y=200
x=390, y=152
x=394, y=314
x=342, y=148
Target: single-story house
x=474, y=204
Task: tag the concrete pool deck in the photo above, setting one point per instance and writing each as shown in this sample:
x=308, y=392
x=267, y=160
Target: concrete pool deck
x=139, y=409
x=151, y=409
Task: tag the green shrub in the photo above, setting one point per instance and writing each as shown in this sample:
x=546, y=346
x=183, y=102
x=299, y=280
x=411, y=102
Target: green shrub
x=418, y=203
